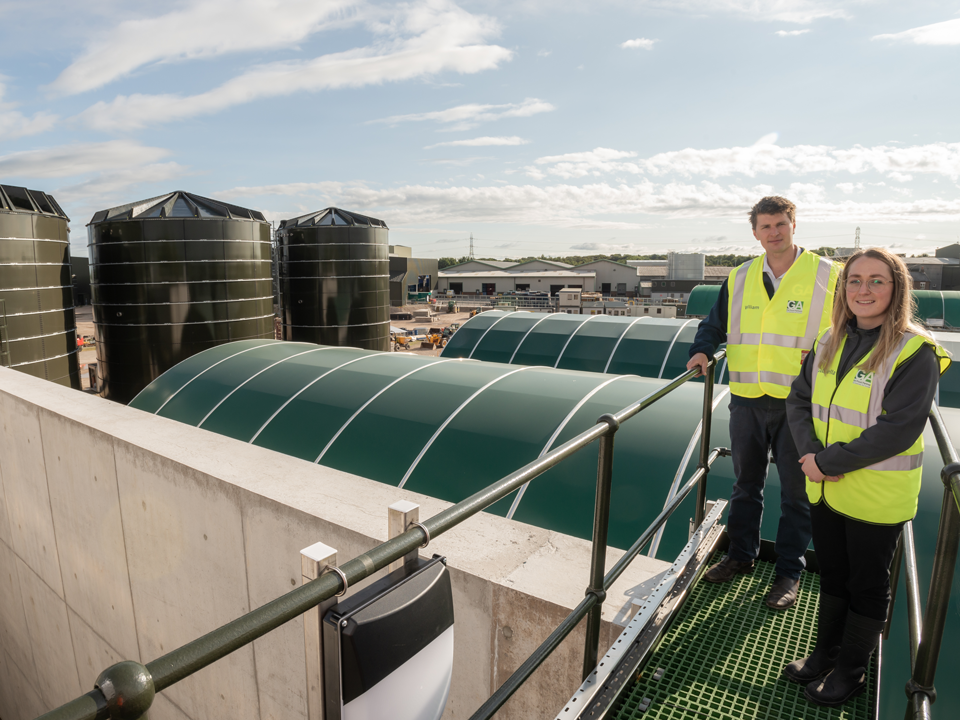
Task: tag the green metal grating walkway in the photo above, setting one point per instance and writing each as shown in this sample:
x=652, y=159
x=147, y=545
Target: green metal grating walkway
x=722, y=658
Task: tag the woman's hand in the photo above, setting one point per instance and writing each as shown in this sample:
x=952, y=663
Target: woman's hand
x=810, y=469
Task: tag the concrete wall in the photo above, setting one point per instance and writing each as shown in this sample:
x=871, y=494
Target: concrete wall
x=124, y=535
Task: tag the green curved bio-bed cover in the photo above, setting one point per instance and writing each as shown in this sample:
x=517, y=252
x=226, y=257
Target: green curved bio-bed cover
x=448, y=427
x=644, y=346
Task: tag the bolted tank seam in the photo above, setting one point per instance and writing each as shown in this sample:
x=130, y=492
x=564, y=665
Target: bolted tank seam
x=201, y=322
x=52, y=357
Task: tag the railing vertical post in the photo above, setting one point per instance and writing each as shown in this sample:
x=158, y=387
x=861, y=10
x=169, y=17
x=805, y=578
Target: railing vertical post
x=399, y=517
x=313, y=561
x=938, y=598
x=598, y=560
x=704, y=464
x=894, y=581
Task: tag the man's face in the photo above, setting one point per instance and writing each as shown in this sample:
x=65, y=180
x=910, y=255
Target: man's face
x=775, y=233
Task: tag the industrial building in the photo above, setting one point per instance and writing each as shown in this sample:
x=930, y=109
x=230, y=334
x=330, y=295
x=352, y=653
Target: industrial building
x=410, y=275
x=492, y=282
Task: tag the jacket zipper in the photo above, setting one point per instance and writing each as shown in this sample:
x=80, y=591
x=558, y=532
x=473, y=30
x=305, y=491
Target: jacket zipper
x=836, y=387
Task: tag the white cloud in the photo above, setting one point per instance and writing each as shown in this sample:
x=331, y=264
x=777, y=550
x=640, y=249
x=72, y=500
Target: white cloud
x=414, y=40
x=79, y=159
x=849, y=188
x=481, y=142
x=792, y=33
x=113, y=188
x=594, y=205
x=606, y=248
x=203, y=29
x=14, y=124
x=544, y=53
x=795, y=11
x=900, y=177
x=763, y=158
x=643, y=43
x=464, y=117
x=941, y=33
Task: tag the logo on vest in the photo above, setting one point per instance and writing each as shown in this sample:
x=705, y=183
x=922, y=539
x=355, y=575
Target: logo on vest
x=863, y=379
x=795, y=306
x=751, y=307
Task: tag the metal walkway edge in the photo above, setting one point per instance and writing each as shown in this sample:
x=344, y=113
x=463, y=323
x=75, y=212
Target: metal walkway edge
x=722, y=656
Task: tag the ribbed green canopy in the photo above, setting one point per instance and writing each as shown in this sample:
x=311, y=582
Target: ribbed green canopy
x=446, y=427
x=702, y=299
x=644, y=346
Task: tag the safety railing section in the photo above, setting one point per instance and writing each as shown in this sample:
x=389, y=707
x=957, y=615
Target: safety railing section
x=926, y=631
x=126, y=690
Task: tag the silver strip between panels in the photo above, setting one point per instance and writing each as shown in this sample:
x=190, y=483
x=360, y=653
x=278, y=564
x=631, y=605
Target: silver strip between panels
x=379, y=322
x=201, y=322
x=330, y=277
x=173, y=282
x=669, y=349
x=37, y=287
x=55, y=357
x=684, y=461
x=307, y=386
x=176, y=262
x=35, y=264
x=41, y=312
x=240, y=352
x=259, y=372
x=320, y=260
x=192, y=302
x=25, y=239
x=450, y=419
x=39, y=337
x=517, y=348
x=619, y=339
x=157, y=242
x=556, y=434
x=363, y=407
x=564, y=348
x=492, y=326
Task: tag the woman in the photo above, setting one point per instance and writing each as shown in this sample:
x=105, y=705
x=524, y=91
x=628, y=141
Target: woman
x=857, y=412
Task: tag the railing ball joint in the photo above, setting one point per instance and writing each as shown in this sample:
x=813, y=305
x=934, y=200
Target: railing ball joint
x=724, y=452
x=128, y=689
x=610, y=420
x=913, y=688
x=948, y=472
x=599, y=593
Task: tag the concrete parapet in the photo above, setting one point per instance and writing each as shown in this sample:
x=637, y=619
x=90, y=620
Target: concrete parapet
x=124, y=535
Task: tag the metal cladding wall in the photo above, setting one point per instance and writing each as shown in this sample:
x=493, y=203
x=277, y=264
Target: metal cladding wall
x=38, y=330
x=335, y=279
x=645, y=346
x=173, y=276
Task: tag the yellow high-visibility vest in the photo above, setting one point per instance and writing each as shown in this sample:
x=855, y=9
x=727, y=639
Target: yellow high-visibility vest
x=886, y=492
x=767, y=338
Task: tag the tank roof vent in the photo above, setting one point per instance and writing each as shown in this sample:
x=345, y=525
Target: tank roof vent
x=177, y=205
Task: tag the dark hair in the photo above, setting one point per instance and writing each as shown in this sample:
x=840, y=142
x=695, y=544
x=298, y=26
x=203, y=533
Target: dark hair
x=773, y=205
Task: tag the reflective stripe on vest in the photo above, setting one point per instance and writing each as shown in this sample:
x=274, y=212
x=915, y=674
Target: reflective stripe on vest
x=767, y=337
x=883, y=493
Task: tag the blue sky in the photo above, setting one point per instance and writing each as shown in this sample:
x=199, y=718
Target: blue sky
x=640, y=126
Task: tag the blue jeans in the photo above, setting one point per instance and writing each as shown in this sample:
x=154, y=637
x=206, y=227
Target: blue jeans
x=754, y=433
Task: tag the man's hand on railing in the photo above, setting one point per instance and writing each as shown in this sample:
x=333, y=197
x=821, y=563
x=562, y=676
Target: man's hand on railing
x=699, y=361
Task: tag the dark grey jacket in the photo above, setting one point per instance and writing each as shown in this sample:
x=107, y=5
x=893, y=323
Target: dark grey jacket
x=907, y=399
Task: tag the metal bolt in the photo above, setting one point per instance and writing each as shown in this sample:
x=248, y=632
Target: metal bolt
x=128, y=689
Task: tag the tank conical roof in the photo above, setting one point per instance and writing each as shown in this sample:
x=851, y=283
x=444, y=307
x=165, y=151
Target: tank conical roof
x=333, y=216
x=14, y=199
x=177, y=205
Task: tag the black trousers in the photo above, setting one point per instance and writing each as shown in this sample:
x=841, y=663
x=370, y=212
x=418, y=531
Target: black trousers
x=854, y=559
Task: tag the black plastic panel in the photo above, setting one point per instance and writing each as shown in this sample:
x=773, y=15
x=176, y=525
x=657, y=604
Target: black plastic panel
x=38, y=330
x=165, y=289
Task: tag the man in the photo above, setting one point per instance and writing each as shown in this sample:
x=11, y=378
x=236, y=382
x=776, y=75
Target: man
x=769, y=313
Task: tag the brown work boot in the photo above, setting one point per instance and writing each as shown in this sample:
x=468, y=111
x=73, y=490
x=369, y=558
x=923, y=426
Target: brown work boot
x=727, y=569
x=783, y=593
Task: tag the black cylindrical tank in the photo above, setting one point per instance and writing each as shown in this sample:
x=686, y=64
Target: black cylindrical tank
x=38, y=330
x=172, y=276
x=334, y=279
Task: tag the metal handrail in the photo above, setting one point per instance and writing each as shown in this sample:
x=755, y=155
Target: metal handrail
x=926, y=633
x=127, y=689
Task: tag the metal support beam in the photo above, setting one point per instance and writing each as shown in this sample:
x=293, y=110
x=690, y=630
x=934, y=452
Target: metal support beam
x=314, y=560
x=704, y=464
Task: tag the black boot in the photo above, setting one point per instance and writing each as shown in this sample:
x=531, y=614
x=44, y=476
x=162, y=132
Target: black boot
x=832, y=616
x=848, y=679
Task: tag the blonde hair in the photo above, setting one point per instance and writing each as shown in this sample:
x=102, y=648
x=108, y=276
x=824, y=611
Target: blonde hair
x=897, y=321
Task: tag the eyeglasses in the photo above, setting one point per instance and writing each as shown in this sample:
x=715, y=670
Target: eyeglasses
x=873, y=285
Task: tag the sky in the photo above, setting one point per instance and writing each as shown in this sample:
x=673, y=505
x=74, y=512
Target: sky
x=538, y=127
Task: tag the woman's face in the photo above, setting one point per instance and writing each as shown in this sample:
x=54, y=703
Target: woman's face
x=869, y=291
